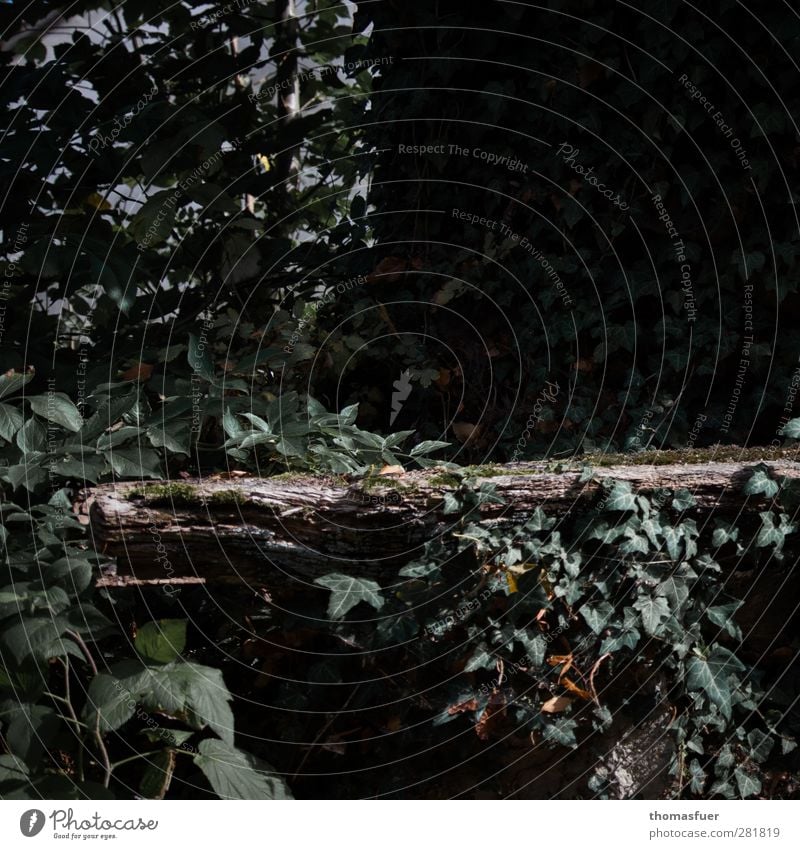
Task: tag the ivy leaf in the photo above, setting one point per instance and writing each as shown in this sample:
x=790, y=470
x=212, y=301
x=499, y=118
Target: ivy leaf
x=420, y=570
x=760, y=483
x=596, y=615
x=772, y=534
x=723, y=532
x=683, y=500
x=791, y=429
x=672, y=539
x=450, y=504
x=635, y=542
x=534, y=645
x=539, y=521
x=620, y=497
x=710, y=674
x=481, y=659
x=347, y=592
x=654, y=610
x=722, y=616
x=675, y=590
x=761, y=745
x=234, y=774
x=161, y=641
x=625, y=638
x=749, y=785
x=697, y=776
x=561, y=731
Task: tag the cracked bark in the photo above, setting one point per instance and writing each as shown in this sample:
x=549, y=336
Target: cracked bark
x=278, y=530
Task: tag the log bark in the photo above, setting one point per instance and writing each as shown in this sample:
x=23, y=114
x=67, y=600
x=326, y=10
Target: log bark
x=289, y=528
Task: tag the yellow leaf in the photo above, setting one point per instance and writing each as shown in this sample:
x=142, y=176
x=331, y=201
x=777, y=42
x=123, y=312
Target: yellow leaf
x=556, y=705
x=512, y=583
x=97, y=201
x=264, y=160
x=574, y=688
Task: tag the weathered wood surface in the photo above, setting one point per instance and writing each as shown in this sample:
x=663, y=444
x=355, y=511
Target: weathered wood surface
x=254, y=530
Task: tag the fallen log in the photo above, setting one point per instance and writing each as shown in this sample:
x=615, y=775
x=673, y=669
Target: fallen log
x=249, y=529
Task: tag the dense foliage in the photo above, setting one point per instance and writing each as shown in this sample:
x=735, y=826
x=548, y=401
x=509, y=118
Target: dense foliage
x=596, y=195
x=223, y=251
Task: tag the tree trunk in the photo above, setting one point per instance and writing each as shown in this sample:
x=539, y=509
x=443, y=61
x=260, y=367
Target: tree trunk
x=246, y=529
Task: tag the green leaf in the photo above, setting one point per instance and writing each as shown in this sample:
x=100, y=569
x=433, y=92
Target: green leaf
x=791, y=429
x=231, y=424
x=538, y=521
x=11, y=421
x=134, y=462
x=535, y=647
x=12, y=770
x=30, y=731
x=620, y=497
x=749, y=785
x=10, y=383
x=347, y=592
x=108, y=413
x=654, y=610
x=481, y=659
x=109, y=703
x=683, y=500
x=57, y=407
x=208, y=699
x=32, y=436
x=199, y=356
x=723, y=532
x=760, y=483
x=155, y=219
x=761, y=745
x=675, y=591
x=233, y=774
x=711, y=675
x=772, y=534
x=722, y=616
x=561, y=731
x=161, y=641
x=450, y=504
x=697, y=776
x=35, y=637
x=174, y=437
x=157, y=775
x=428, y=447
x=672, y=539
x=596, y=615
x=162, y=688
